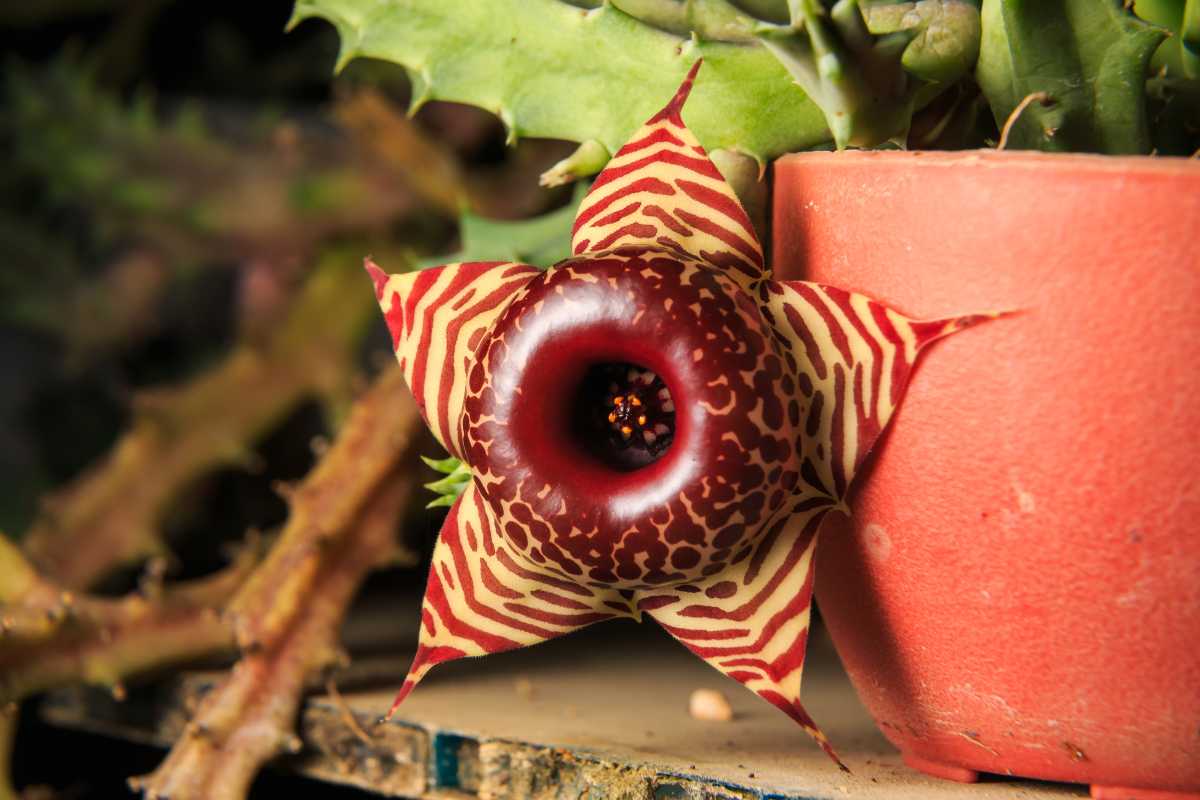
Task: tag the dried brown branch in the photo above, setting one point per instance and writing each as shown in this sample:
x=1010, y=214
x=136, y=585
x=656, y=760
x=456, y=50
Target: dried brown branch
x=110, y=515
x=287, y=617
x=53, y=637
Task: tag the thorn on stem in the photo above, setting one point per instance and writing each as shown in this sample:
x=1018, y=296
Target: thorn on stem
x=198, y=730
x=285, y=490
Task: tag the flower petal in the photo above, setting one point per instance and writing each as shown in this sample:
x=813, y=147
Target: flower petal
x=437, y=318
x=853, y=356
x=661, y=190
x=481, y=598
x=750, y=621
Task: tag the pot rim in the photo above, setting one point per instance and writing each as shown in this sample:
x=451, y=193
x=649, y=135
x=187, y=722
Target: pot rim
x=1001, y=159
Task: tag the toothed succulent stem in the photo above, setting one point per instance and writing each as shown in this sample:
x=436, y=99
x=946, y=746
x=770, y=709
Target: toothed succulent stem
x=946, y=33
x=1088, y=58
x=715, y=20
x=588, y=159
x=103, y=641
x=854, y=76
x=559, y=77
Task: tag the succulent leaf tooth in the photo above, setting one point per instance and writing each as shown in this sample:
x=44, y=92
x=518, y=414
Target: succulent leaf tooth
x=588, y=159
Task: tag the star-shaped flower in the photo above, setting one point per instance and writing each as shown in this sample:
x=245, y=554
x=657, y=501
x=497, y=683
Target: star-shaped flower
x=653, y=426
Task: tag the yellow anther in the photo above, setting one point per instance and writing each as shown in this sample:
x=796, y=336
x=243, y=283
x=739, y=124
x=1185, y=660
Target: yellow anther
x=641, y=419
x=634, y=400
x=626, y=431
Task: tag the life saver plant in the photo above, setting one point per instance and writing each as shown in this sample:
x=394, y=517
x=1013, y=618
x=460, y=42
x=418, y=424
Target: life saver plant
x=652, y=425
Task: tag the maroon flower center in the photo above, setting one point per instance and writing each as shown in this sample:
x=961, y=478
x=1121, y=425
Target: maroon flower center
x=623, y=415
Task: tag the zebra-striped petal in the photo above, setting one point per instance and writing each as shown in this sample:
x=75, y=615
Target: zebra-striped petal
x=853, y=357
x=482, y=597
x=438, y=318
x=750, y=621
x=661, y=191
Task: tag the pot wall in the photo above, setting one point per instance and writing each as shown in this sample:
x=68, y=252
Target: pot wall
x=1019, y=589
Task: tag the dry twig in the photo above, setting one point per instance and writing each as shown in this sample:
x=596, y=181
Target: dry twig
x=287, y=616
x=110, y=515
x=54, y=638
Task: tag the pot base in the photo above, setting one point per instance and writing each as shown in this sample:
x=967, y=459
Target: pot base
x=953, y=772
x=1126, y=793
x=949, y=772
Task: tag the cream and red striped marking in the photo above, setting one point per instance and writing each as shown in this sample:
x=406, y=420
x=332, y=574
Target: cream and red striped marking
x=661, y=191
x=777, y=391
x=484, y=598
x=438, y=317
x=853, y=357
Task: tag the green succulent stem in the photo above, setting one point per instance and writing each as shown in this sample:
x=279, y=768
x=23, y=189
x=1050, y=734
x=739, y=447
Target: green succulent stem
x=550, y=69
x=1179, y=56
x=1088, y=57
x=946, y=34
x=854, y=76
x=715, y=20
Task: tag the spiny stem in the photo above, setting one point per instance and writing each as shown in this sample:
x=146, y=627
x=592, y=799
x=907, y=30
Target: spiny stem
x=110, y=515
x=341, y=526
x=104, y=641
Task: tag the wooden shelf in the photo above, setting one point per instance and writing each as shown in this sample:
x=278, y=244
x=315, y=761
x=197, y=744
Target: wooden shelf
x=601, y=713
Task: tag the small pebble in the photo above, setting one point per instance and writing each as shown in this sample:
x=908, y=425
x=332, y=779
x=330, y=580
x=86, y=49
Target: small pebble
x=709, y=704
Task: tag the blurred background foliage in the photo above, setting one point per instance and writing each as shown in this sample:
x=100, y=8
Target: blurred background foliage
x=186, y=196
x=172, y=172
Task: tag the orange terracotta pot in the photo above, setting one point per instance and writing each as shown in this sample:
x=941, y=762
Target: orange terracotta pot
x=1018, y=591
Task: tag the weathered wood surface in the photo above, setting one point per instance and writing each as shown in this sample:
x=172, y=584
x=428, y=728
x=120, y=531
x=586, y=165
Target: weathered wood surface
x=599, y=714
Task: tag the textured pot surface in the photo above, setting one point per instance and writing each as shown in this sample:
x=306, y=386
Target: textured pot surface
x=1019, y=589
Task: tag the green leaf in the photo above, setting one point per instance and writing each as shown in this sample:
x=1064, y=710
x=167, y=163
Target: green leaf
x=1089, y=57
x=550, y=69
